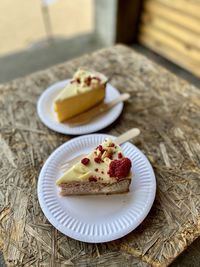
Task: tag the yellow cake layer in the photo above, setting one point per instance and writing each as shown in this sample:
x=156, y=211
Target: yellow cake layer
x=72, y=106
x=79, y=96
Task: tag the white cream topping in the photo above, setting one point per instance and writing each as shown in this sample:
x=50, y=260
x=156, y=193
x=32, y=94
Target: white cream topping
x=82, y=81
x=81, y=172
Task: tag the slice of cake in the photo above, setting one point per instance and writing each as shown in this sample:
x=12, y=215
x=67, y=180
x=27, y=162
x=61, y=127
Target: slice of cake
x=85, y=90
x=104, y=171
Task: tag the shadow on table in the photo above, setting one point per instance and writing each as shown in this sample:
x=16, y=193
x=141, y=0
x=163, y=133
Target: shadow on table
x=190, y=257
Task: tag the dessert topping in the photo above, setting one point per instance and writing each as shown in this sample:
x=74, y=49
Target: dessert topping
x=97, y=160
x=112, y=145
x=119, y=168
x=88, y=81
x=85, y=161
x=97, y=78
x=92, y=179
x=120, y=155
x=108, y=153
x=77, y=80
x=100, y=148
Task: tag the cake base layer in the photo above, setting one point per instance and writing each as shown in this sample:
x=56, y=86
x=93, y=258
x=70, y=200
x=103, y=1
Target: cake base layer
x=94, y=188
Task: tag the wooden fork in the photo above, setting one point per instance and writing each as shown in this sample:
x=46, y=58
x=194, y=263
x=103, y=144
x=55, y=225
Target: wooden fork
x=94, y=112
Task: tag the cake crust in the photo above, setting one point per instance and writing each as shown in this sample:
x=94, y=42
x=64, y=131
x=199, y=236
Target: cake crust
x=93, y=188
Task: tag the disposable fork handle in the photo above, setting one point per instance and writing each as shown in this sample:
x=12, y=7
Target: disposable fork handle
x=127, y=136
x=90, y=114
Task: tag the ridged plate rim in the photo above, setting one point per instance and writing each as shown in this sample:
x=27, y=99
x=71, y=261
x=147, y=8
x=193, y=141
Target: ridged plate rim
x=47, y=115
x=107, y=228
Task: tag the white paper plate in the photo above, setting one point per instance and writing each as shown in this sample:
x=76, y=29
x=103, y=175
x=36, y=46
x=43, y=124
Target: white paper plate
x=96, y=219
x=48, y=115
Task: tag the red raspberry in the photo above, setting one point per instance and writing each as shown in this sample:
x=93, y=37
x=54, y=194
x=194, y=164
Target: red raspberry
x=88, y=81
x=85, y=161
x=119, y=168
x=120, y=155
x=97, y=160
x=109, y=156
x=112, y=145
x=100, y=148
x=92, y=179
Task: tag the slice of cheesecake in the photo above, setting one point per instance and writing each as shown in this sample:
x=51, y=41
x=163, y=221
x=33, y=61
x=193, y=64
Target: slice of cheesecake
x=85, y=90
x=104, y=171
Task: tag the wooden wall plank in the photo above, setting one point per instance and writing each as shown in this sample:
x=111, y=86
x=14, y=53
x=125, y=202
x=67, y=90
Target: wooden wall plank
x=153, y=32
x=172, y=29
x=157, y=9
x=180, y=33
x=170, y=53
x=188, y=7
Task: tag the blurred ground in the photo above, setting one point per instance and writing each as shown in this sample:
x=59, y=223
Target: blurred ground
x=22, y=25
